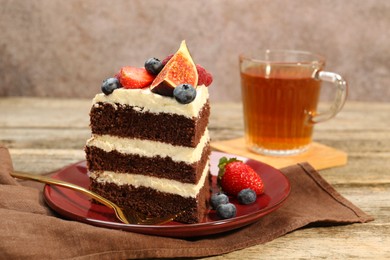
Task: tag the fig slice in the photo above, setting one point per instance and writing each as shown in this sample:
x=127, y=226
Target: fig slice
x=180, y=69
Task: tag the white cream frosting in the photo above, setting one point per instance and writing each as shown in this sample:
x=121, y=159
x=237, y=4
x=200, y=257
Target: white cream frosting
x=159, y=184
x=147, y=101
x=148, y=148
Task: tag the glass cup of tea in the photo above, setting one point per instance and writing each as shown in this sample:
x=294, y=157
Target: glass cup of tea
x=280, y=93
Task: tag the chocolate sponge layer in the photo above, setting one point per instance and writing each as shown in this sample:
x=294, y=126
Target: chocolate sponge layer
x=127, y=121
x=154, y=203
x=162, y=167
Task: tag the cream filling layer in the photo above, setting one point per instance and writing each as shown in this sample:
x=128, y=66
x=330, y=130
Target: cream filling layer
x=159, y=184
x=147, y=101
x=148, y=148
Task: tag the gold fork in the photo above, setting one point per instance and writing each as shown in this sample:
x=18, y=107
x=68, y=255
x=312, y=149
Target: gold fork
x=126, y=216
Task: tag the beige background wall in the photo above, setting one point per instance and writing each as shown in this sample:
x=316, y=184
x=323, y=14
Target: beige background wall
x=66, y=48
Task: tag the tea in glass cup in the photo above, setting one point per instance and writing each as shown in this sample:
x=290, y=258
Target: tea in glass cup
x=280, y=93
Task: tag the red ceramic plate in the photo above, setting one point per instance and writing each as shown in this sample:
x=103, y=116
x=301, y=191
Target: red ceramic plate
x=76, y=206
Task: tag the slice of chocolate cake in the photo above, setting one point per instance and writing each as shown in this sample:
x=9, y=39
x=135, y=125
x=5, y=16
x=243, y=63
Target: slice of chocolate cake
x=150, y=152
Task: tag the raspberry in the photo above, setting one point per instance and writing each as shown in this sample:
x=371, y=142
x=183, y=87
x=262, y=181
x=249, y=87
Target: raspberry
x=165, y=61
x=204, y=77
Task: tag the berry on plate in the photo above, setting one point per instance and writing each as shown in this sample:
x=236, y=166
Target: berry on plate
x=132, y=77
x=225, y=211
x=246, y=196
x=218, y=199
x=234, y=176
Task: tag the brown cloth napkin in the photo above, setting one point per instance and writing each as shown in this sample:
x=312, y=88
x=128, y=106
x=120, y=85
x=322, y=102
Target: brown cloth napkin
x=29, y=229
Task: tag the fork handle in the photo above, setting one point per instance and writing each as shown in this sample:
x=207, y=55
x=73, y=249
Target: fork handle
x=46, y=180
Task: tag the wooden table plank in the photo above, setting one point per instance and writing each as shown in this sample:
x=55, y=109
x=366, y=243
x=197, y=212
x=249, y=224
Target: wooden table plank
x=44, y=112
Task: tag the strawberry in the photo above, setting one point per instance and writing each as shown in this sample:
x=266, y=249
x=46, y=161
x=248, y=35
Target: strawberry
x=132, y=77
x=234, y=176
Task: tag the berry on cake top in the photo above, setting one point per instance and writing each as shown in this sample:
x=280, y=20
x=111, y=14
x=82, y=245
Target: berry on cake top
x=177, y=76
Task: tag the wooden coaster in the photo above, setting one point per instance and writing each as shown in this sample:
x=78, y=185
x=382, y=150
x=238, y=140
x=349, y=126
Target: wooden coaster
x=318, y=155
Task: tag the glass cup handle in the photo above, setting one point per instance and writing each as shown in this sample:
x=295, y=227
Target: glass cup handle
x=339, y=100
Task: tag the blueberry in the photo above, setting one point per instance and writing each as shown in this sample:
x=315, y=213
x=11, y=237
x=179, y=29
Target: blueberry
x=218, y=199
x=153, y=66
x=184, y=93
x=225, y=211
x=109, y=85
x=246, y=196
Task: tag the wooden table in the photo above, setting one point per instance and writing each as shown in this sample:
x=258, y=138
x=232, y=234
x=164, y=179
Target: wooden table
x=44, y=135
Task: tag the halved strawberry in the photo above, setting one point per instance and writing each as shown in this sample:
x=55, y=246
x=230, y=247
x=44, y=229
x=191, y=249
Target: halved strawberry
x=132, y=77
x=234, y=176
